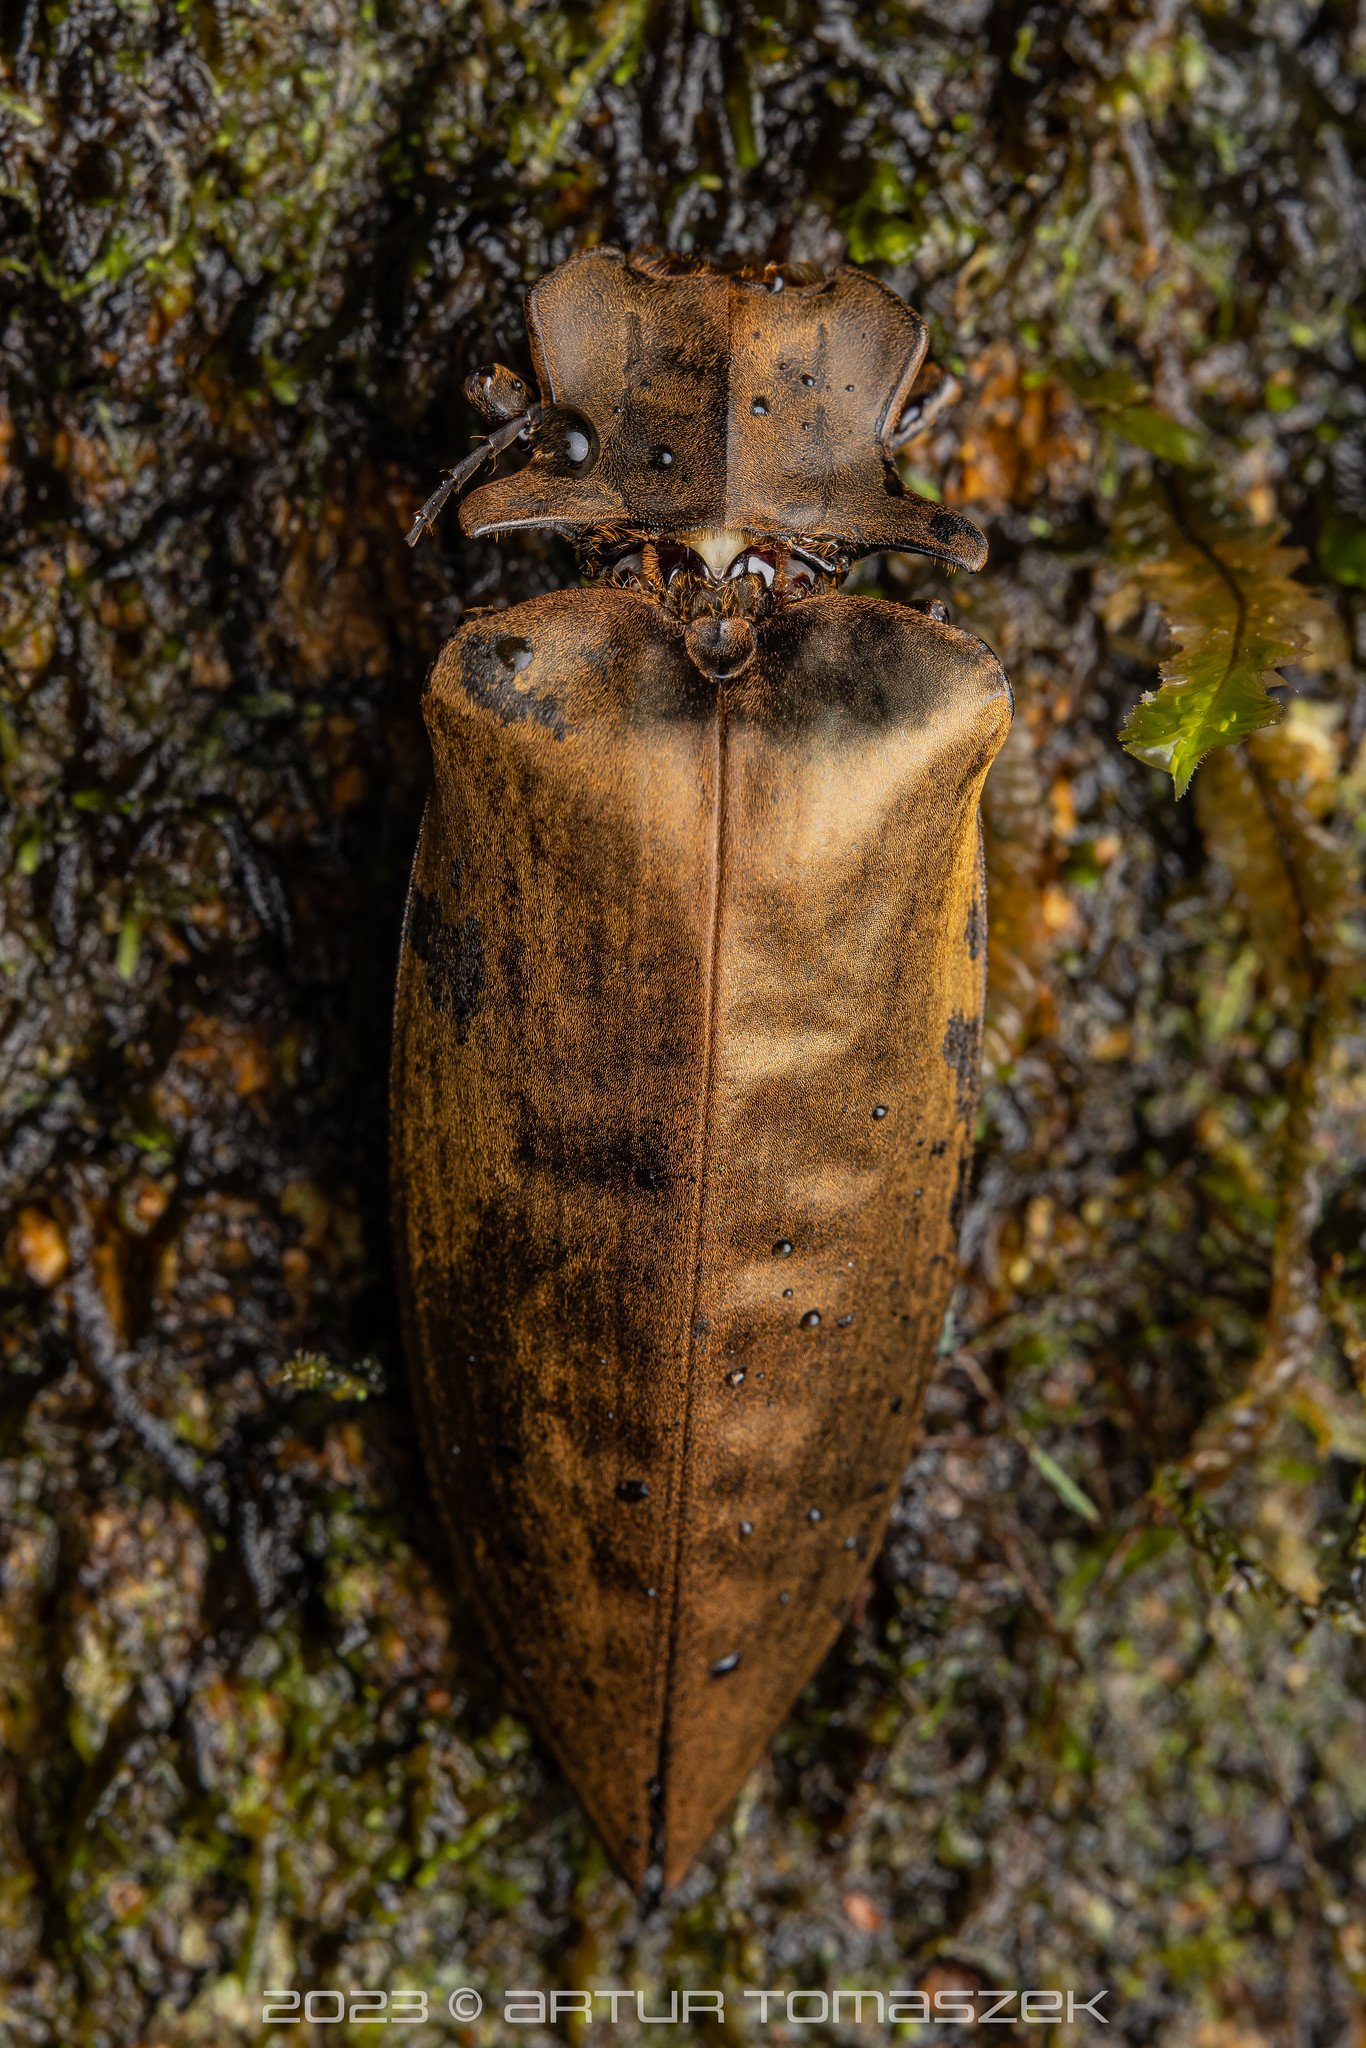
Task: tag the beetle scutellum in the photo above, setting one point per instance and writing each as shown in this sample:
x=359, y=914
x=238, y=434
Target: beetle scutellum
x=689, y=1018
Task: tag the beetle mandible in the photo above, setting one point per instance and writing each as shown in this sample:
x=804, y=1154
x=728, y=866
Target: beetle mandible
x=689, y=1017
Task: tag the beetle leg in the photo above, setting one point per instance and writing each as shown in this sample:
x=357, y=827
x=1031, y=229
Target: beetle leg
x=920, y=413
x=488, y=451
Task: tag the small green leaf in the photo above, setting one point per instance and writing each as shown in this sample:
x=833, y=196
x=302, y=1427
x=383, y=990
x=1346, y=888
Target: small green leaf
x=1236, y=616
x=1161, y=435
x=129, y=946
x=1342, y=548
x=1062, y=1482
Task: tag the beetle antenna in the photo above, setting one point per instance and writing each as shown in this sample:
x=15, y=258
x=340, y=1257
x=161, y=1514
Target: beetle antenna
x=488, y=450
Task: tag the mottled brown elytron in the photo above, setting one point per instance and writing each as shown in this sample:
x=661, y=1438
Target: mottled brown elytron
x=689, y=1019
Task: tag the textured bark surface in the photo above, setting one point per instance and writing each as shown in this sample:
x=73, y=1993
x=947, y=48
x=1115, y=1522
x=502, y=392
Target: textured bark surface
x=686, y=1066
x=1085, y=1727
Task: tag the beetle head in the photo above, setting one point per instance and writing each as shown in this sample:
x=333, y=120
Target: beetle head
x=681, y=397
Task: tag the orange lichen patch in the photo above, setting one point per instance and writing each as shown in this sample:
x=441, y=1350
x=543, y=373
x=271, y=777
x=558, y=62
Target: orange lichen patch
x=329, y=1226
x=106, y=1258
x=860, y=1912
x=217, y=1057
x=122, y=609
x=28, y=617
x=349, y=788
x=411, y=1639
x=1058, y=911
x=297, y=1270
x=168, y=942
x=1019, y=862
x=949, y=1977
x=39, y=1246
x=209, y=666
x=329, y=609
x=175, y=301
x=1024, y=437
x=136, y=1603
x=125, y=1897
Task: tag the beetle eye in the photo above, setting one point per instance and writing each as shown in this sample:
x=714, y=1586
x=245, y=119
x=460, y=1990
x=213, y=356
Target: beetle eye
x=566, y=442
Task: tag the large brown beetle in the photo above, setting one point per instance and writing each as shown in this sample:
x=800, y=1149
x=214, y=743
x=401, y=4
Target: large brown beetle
x=689, y=1018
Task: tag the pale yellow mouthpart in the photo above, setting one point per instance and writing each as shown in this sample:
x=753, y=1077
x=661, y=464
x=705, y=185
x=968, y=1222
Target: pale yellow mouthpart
x=718, y=546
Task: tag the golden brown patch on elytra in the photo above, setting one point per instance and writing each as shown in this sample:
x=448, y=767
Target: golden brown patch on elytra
x=724, y=966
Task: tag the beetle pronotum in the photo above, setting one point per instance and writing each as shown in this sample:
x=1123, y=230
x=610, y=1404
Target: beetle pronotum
x=689, y=1018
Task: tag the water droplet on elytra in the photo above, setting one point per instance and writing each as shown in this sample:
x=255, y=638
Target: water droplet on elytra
x=661, y=458
x=787, y=1293
x=809, y=382
x=759, y=406
x=725, y=1665
x=746, y=1528
x=810, y=1321
x=649, y=1593
x=783, y=1599
x=813, y=1515
x=879, y=1111
x=783, y=1248
x=632, y=1490
x=843, y=1322
x=851, y=1542
x=736, y=1378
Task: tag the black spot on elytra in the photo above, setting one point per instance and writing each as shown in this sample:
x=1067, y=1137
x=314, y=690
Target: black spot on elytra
x=946, y=526
x=453, y=955
x=624, y=1159
x=976, y=933
x=962, y=1051
x=490, y=670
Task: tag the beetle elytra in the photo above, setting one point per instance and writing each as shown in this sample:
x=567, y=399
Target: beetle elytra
x=689, y=1018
